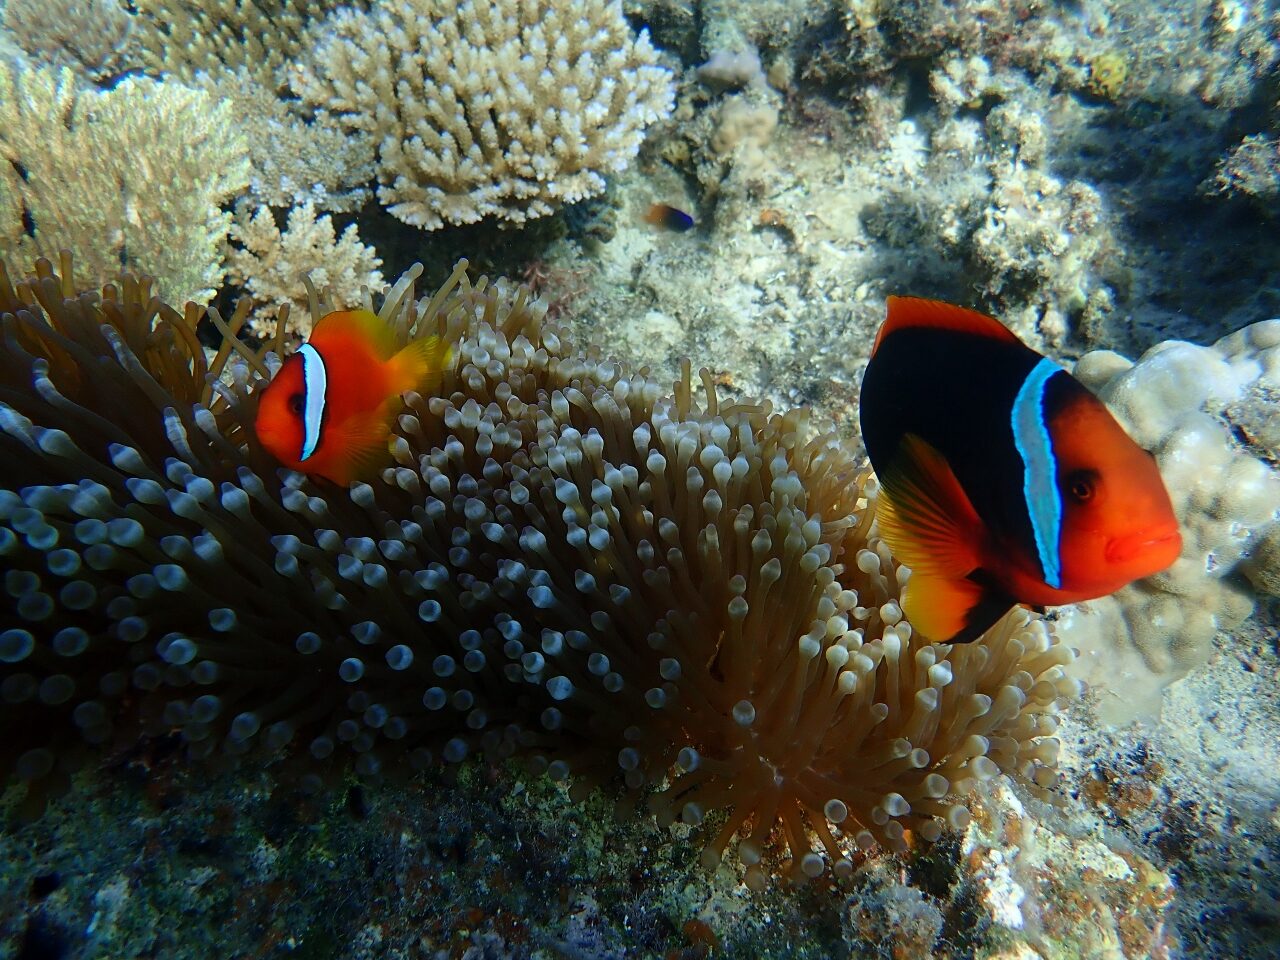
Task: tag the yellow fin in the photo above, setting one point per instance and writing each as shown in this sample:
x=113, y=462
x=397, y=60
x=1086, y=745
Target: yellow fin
x=952, y=611
x=931, y=526
x=925, y=515
x=419, y=365
x=362, y=442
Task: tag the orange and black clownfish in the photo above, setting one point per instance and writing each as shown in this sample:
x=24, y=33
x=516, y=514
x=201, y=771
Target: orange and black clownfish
x=327, y=411
x=1003, y=480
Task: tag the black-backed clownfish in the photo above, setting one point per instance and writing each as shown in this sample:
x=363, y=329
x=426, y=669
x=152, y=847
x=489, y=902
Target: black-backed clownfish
x=1003, y=480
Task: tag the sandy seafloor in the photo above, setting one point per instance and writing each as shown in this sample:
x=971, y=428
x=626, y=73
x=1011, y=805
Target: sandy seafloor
x=1071, y=167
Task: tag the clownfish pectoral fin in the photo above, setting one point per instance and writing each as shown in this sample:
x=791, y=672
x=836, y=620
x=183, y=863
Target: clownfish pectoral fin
x=925, y=514
x=362, y=440
x=419, y=365
x=917, y=312
x=932, y=527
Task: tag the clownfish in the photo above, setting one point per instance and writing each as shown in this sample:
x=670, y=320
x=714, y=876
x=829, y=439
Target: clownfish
x=328, y=409
x=1003, y=480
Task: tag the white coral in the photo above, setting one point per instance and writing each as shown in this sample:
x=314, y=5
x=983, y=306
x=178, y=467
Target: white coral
x=131, y=177
x=1190, y=405
x=505, y=109
x=272, y=263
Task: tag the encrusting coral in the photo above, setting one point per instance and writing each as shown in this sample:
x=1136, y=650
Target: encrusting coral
x=1208, y=413
x=486, y=109
x=562, y=560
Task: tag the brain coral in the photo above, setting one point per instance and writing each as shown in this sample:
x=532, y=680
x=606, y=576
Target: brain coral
x=1209, y=415
x=564, y=561
x=487, y=109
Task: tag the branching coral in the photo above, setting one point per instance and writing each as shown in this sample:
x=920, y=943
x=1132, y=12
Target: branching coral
x=271, y=263
x=188, y=37
x=292, y=161
x=87, y=35
x=132, y=176
x=506, y=110
x=563, y=561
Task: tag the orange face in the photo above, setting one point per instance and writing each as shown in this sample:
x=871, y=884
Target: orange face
x=281, y=408
x=1117, y=522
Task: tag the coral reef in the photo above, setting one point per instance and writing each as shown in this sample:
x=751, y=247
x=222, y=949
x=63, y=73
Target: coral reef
x=1097, y=174
x=1208, y=415
x=503, y=110
x=1251, y=169
x=189, y=37
x=292, y=162
x=86, y=35
x=683, y=593
x=271, y=264
x=133, y=176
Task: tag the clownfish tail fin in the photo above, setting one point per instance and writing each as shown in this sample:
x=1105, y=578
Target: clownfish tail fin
x=419, y=365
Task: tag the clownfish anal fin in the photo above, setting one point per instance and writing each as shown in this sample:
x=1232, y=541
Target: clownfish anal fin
x=926, y=516
x=953, y=611
x=906, y=312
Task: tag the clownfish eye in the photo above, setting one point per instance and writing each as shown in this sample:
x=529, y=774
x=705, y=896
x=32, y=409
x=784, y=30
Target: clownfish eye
x=1082, y=485
x=297, y=404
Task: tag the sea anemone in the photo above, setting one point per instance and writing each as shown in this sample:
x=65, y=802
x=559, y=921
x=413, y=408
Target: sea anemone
x=562, y=560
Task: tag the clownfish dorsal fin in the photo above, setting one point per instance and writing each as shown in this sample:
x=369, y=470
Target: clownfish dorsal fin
x=362, y=325
x=918, y=312
x=419, y=365
x=932, y=527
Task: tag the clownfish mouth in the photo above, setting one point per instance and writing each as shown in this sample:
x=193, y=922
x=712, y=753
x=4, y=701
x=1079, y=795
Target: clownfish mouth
x=1166, y=542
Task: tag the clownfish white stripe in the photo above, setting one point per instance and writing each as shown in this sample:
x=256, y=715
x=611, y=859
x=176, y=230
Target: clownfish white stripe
x=1039, y=469
x=315, y=381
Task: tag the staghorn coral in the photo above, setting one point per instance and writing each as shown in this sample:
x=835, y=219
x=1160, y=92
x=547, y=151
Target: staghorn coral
x=563, y=561
x=189, y=37
x=271, y=264
x=1208, y=414
x=87, y=35
x=132, y=176
x=506, y=110
x=292, y=161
